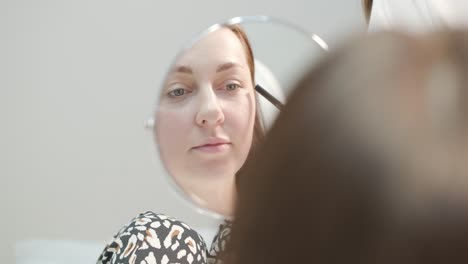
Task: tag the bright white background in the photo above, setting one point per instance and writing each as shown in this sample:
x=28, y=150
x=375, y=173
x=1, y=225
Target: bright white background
x=77, y=81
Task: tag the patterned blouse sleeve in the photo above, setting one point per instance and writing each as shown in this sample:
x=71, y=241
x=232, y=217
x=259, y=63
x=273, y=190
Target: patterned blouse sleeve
x=218, y=245
x=155, y=238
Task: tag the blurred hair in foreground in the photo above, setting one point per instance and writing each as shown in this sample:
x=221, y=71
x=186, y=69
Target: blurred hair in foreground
x=368, y=161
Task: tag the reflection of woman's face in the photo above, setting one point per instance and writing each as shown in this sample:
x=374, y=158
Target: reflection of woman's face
x=206, y=113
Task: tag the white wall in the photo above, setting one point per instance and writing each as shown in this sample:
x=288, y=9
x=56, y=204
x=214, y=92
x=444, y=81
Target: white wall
x=77, y=81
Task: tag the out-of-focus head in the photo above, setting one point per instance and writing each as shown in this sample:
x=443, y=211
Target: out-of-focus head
x=368, y=161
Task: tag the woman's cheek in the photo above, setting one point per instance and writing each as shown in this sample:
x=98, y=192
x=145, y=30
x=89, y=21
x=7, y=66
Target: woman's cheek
x=170, y=127
x=240, y=116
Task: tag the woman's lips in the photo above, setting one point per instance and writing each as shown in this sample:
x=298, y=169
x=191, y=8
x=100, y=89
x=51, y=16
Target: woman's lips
x=213, y=148
x=213, y=145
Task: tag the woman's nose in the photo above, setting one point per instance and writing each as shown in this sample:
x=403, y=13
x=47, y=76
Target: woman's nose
x=209, y=112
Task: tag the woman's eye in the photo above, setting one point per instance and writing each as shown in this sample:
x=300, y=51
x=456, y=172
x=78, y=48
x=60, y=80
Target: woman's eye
x=232, y=86
x=177, y=92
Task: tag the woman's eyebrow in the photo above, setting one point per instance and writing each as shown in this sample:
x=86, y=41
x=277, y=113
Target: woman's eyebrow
x=227, y=66
x=183, y=69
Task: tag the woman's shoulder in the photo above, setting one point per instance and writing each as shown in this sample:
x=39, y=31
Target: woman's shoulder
x=218, y=246
x=153, y=236
x=158, y=221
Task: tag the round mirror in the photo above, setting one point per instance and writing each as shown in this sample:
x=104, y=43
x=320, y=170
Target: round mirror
x=219, y=98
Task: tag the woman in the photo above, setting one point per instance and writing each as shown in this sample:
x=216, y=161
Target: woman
x=367, y=163
x=206, y=118
x=206, y=125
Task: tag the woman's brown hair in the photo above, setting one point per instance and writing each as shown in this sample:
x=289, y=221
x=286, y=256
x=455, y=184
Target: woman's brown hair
x=367, y=8
x=368, y=161
x=258, y=132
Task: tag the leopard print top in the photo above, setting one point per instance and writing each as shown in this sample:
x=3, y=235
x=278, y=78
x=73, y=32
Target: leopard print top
x=219, y=243
x=155, y=238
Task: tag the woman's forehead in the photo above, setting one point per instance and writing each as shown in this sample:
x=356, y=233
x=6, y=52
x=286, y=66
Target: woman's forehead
x=217, y=48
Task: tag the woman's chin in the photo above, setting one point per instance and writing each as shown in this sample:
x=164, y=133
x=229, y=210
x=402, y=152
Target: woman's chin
x=221, y=173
